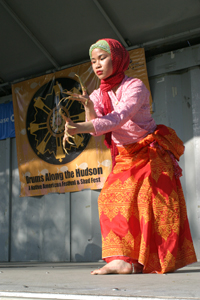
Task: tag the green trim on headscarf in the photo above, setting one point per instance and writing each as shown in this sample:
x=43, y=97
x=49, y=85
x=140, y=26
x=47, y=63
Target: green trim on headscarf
x=103, y=45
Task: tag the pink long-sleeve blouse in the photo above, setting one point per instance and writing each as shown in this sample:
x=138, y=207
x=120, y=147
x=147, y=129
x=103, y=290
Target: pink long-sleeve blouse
x=131, y=120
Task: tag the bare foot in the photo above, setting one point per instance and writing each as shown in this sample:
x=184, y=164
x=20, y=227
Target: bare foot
x=138, y=268
x=116, y=266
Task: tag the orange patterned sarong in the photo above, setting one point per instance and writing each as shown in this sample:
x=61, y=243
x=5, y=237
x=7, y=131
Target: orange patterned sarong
x=142, y=208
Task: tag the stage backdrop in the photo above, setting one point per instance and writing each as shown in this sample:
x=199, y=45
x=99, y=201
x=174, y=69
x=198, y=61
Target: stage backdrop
x=44, y=167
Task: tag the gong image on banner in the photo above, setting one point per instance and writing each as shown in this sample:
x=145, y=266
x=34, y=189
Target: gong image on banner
x=45, y=125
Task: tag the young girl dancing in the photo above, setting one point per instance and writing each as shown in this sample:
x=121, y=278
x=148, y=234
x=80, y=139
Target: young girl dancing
x=142, y=208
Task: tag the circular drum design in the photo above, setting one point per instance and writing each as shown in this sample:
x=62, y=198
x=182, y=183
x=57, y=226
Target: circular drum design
x=45, y=126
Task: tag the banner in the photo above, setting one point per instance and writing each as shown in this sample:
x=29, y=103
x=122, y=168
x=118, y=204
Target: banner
x=7, y=126
x=44, y=166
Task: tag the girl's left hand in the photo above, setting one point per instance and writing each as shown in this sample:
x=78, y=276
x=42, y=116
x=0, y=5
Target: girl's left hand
x=71, y=129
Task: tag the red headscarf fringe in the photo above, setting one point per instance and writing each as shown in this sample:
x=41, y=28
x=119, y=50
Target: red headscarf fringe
x=120, y=62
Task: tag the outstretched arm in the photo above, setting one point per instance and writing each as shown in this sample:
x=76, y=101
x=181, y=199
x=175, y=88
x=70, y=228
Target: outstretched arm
x=75, y=128
x=72, y=128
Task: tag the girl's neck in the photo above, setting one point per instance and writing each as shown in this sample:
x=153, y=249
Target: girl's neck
x=115, y=88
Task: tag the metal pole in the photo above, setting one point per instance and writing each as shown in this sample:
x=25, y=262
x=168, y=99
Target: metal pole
x=111, y=23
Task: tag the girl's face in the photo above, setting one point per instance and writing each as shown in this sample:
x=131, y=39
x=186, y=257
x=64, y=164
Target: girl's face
x=101, y=63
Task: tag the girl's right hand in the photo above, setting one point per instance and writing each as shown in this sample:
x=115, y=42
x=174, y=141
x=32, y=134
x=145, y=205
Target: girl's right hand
x=84, y=98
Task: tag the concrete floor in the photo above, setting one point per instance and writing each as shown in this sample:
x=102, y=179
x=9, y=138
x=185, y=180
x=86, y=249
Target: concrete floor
x=73, y=281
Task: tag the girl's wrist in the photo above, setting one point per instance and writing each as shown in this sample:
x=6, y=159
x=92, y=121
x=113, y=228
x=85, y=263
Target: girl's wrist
x=88, y=103
x=85, y=127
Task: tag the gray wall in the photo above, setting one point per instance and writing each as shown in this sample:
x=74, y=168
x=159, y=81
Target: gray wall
x=65, y=227
x=175, y=86
x=4, y=199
